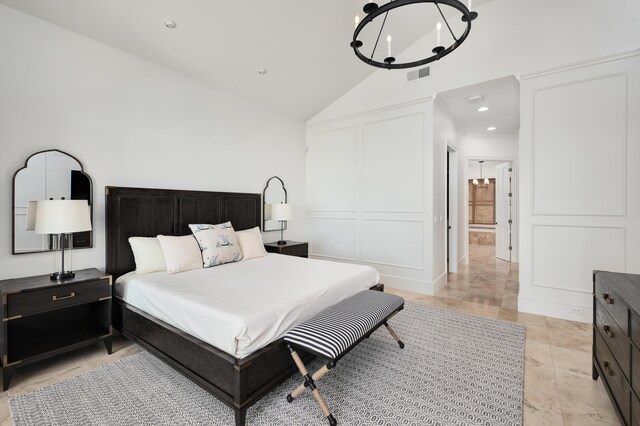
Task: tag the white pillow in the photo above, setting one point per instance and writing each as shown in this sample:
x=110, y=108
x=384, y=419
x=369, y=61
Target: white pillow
x=180, y=253
x=218, y=243
x=251, y=243
x=148, y=255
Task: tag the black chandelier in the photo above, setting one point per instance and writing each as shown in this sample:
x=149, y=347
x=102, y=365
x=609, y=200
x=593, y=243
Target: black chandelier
x=372, y=11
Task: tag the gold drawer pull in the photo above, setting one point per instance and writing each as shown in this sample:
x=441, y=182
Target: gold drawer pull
x=608, y=331
x=54, y=298
x=608, y=369
x=607, y=298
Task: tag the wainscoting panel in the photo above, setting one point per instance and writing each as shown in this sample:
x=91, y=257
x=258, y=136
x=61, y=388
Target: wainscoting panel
x=369, y=183
x=396, y=243
x=393, y=165
x=331, y=175
x=579, y=145
x=579, y=204
x=565, y=256
x=333, y=238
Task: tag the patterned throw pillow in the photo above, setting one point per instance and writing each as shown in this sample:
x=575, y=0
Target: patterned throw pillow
x=218, y=243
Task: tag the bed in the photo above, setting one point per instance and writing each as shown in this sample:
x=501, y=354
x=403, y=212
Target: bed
x=237, y=372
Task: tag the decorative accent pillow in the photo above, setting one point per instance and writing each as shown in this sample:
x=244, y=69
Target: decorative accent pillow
x=218, y=243
x=180, y=253
x=148, y=254
x=251, y=243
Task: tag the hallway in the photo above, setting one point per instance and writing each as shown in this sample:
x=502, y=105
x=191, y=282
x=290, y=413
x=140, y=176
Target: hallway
x=558, y=386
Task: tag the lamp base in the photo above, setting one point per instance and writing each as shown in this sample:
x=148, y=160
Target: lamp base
x=59, y=276
x=282, y=243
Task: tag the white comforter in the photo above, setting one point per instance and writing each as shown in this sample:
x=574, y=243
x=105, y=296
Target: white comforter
x=241, y=307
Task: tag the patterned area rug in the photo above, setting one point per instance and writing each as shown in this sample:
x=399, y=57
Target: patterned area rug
x=456, y=369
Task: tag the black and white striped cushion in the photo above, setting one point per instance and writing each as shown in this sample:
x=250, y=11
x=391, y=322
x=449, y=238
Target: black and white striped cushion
x=335, y=329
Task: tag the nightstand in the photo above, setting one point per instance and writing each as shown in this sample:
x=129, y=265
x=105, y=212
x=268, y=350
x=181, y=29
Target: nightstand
x=42, y=318
x=292, y=248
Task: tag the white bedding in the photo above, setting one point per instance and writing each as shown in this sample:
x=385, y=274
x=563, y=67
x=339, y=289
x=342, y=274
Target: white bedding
x=241, y=307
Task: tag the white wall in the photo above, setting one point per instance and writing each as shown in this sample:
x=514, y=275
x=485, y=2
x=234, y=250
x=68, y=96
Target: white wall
x=509, y=37
x=580, y=203
x=447, y=134
x=131, y=123
x=370, y=182
x=515, y=37
x=478, y=147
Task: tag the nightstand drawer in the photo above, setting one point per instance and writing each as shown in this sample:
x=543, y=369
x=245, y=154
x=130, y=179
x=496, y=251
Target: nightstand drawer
x=299, y=250
x=51, y=298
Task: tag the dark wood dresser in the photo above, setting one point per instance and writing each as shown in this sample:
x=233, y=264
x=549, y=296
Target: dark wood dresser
x=42, y=318
x=292, y=248
x=616, y=339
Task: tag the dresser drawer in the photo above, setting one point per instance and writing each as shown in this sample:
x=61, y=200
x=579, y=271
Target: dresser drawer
x=635, y=328
x=635, y=369
x=617, y=342
x=612, y=374
x=612, y=303
x=635, y=410
x=50, y=298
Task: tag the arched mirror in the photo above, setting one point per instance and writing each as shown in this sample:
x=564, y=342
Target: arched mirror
x=51, y=174
x=274, y=193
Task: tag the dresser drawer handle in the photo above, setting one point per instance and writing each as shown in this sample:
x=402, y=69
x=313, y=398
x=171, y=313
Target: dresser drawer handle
x=607, y=298
x=607, y=368
x=608, y=331
x=54, y=298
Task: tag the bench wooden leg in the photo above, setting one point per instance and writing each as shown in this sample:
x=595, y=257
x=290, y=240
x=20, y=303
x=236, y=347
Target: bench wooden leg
x=394, y=335
x=309, y=382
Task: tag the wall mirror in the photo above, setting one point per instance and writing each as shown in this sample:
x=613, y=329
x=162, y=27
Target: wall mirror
x=51, y=174
x=274, y=193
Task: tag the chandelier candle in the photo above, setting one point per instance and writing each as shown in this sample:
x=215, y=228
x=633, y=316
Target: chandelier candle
x=357, y=20
x=438, y=29
x=388, y=46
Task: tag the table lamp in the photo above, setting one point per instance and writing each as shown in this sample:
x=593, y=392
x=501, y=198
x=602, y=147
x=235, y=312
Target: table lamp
x=62, y=217
x=281, y=212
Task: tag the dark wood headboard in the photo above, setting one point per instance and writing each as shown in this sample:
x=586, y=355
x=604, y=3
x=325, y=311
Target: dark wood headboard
x=138, y=212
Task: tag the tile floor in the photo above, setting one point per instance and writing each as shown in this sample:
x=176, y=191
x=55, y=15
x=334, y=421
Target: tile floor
x=558, y=385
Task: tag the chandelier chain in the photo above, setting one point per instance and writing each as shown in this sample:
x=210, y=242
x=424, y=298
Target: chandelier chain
x=446, y=22
x=379, y=34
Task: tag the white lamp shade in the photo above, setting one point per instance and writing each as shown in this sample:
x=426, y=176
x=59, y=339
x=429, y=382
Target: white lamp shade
x=31, y=215
x=281, y=212
x=62, y=217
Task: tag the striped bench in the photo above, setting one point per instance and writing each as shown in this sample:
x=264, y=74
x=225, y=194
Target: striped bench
x=335, y=331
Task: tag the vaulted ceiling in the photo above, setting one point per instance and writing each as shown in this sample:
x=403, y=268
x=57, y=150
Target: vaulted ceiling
x=303, y=45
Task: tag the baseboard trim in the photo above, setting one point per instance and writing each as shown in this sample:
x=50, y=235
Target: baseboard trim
x=556, y=310
x=428, y=288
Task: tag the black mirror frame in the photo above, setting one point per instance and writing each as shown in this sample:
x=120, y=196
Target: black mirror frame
x=13, y=202
x=264, y=203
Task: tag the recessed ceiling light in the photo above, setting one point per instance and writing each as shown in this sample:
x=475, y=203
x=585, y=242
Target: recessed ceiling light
x=491, y=129
x=475, y=98
x=169, y=23
x=483, y=109
x=262, y=71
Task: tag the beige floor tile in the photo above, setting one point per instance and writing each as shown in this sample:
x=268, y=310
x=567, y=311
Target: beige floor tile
x=536, y=417
x=583, y=397
x=522, y=317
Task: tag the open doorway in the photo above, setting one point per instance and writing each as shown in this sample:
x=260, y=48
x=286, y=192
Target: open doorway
x=488, y=116
x=491, y=223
